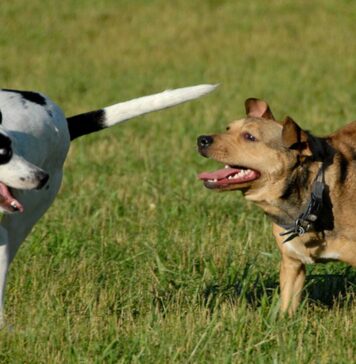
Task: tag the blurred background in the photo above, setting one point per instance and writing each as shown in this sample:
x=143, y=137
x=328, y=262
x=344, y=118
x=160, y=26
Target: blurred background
x=136, y=261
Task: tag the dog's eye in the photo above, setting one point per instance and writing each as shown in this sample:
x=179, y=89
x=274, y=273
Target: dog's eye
x=5, y=155
x=249, y=137
x=227, y=128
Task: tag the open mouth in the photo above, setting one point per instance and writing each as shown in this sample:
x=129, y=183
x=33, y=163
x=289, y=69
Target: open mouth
x=228, y=176
x=8, y=202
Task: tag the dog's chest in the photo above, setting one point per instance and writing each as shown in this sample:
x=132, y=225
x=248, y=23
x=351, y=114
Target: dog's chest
x=297, y=250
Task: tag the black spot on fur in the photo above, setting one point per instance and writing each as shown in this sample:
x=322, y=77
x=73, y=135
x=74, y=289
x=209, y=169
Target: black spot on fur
x=320, y=148
x=5, y=141
x=326, y=217
x=296, y=182
x=86, y=123
x=289, y=188
x=344, y=167
x=0, y=117
x=30, y=96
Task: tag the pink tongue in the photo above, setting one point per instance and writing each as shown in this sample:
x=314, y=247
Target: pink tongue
x=7, y=201
x=219, y=174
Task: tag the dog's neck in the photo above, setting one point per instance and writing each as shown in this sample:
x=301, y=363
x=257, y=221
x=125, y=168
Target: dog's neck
x=284, y=208
x=284, y=199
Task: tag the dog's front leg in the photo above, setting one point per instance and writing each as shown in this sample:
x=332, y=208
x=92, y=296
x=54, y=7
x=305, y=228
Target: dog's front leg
x=292, y=278
x=4, y=266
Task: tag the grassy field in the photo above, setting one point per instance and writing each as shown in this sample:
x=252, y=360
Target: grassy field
x=136, y=262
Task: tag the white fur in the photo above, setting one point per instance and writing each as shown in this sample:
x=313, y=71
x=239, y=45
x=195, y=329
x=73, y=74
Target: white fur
x=40, y=141
x=129, y=109
x=298, y=251
x=295, y=250
x=19, y=173
x=330, y=255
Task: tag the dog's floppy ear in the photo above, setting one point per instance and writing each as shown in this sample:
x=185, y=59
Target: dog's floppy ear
x=294, y=137
x=258, y=108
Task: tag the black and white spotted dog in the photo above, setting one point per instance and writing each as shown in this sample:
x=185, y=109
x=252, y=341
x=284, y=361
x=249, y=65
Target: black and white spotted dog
x=34, y=141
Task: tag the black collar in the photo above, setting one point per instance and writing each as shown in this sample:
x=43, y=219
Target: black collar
x=306, y=220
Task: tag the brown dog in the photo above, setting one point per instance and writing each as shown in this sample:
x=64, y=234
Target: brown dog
x=306, y=184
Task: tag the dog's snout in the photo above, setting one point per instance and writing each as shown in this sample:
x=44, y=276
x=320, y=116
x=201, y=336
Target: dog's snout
x=205, y=141
x=42, y=177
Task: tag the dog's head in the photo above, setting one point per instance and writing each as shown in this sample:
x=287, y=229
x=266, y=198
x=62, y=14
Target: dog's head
x=257, y=151
x=16, y=173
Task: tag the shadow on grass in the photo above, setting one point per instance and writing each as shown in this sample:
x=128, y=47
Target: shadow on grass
x=320, y=289
x=329, y=289
x=259, y=289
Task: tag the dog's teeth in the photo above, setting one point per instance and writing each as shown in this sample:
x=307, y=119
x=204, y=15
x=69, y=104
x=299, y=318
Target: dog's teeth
x=14, y=205
x=242, y=173
x=227, y=166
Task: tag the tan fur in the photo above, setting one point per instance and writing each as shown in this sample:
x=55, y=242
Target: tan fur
x=288, y=157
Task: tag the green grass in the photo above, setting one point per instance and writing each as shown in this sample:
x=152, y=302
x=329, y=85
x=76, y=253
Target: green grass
x=136, y=261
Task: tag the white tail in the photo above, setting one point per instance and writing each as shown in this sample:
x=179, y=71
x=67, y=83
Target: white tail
x=129, y=109
x=96, y=120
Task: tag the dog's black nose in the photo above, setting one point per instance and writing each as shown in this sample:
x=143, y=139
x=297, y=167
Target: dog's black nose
x=42, y=178
x=204, y=141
